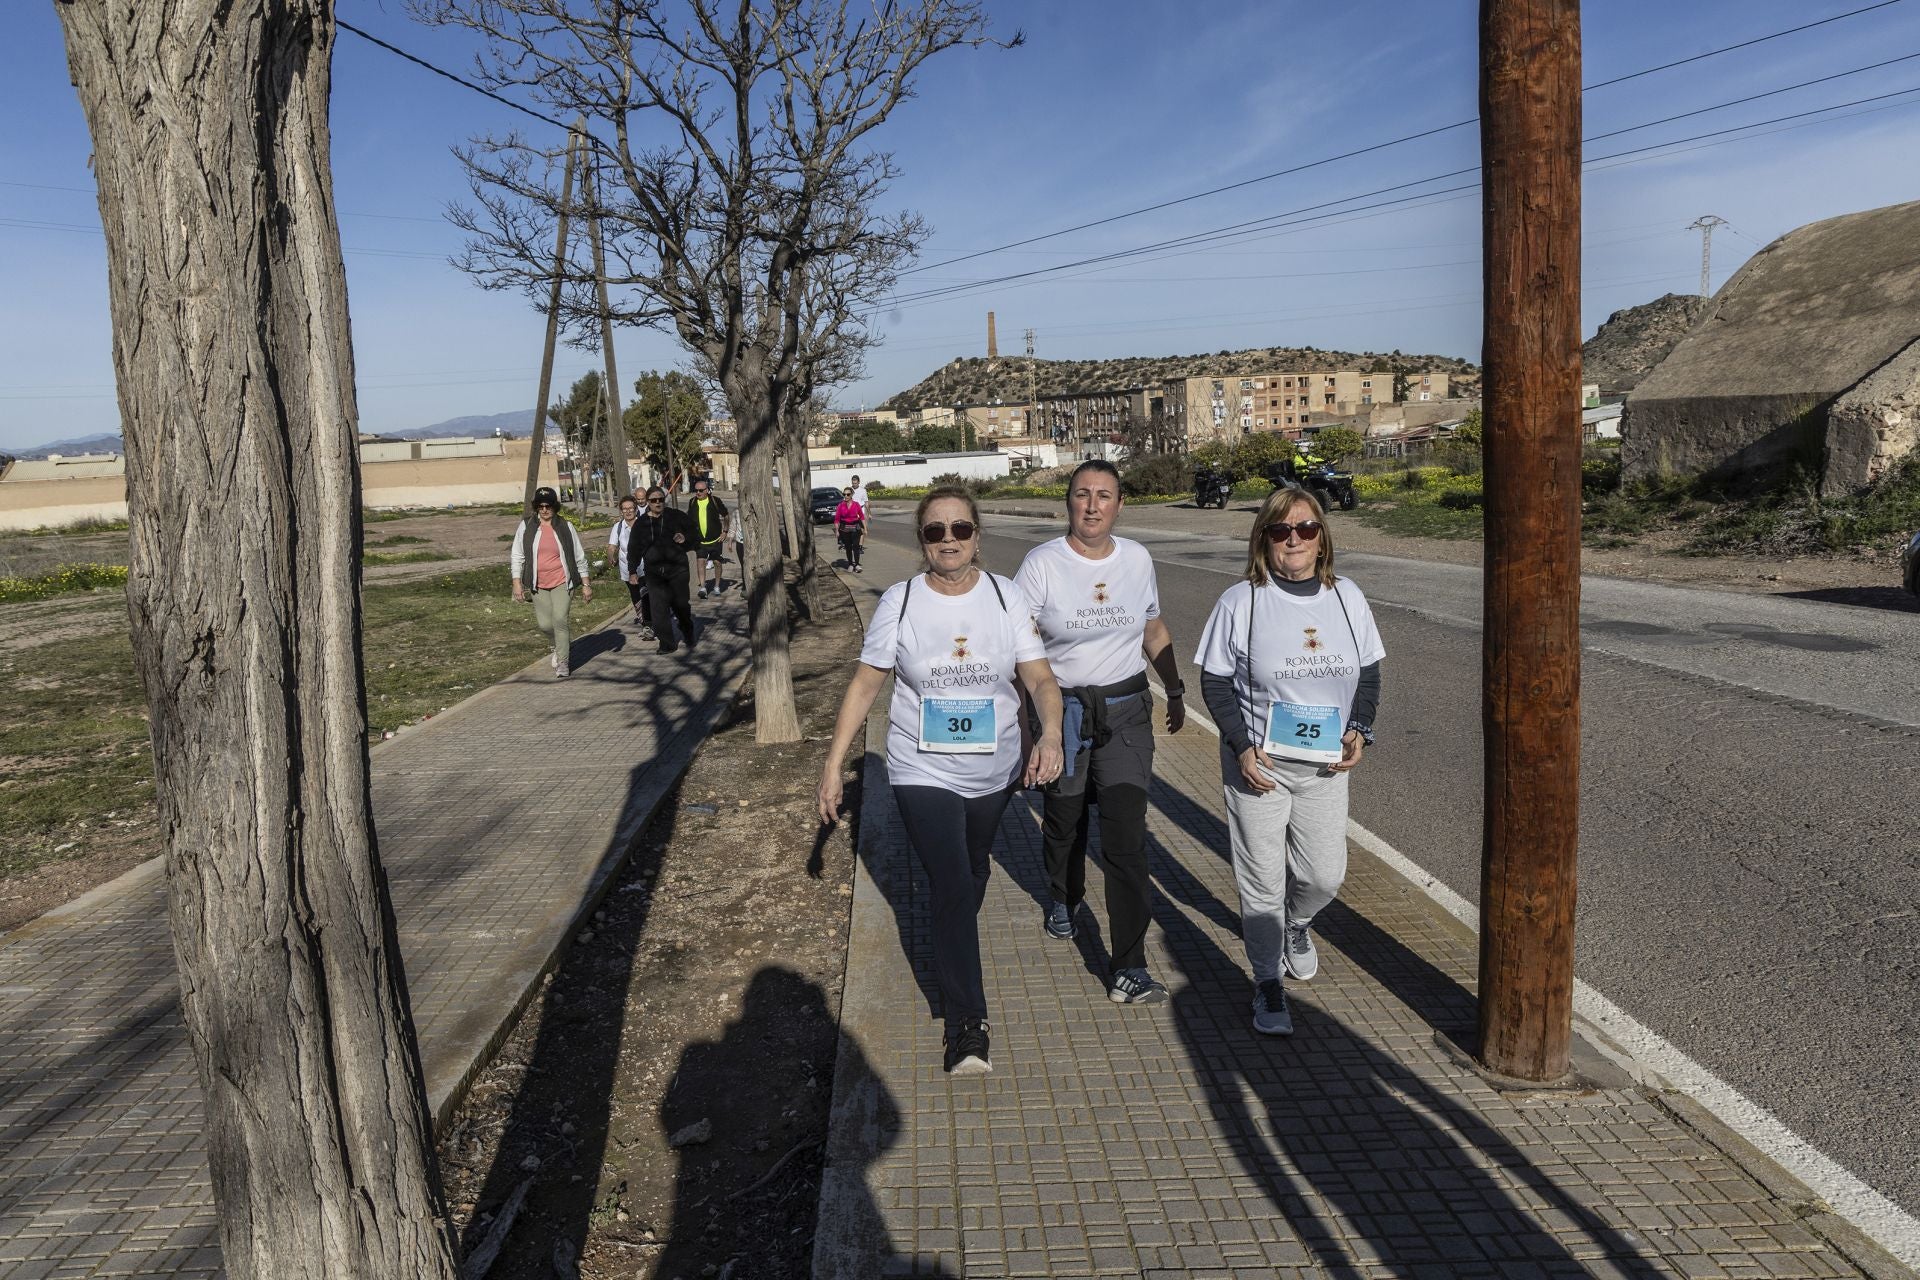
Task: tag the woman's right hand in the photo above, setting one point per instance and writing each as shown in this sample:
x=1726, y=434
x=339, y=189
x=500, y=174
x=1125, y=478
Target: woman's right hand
x=519, y=594
x=828, y=795
x=1252, y=760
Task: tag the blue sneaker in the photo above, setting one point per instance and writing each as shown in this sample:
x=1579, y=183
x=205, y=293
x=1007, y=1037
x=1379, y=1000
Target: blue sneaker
x=1135, y=986
x=1059, y=923
x=1270, y=1014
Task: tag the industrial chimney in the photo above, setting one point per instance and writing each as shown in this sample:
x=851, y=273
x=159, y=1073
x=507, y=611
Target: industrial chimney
x=993, y=347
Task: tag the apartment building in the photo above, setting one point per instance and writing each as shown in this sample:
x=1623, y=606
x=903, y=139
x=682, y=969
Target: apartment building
x=1079, y=420
x=1215, y=408
x=996, y=421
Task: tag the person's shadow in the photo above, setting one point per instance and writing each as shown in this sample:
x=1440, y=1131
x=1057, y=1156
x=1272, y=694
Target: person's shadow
x=710, y=1203
x=1371, y=1160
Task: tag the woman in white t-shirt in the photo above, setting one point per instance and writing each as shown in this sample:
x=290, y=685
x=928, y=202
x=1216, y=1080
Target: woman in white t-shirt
x=956, y=639
x=1290, y=670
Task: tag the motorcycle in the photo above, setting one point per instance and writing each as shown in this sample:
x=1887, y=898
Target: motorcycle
x=1327, y=482
x=1212, y=487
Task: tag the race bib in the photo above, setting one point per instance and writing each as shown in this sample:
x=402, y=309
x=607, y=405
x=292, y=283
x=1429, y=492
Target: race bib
x=958, y=726
x=1296, y=731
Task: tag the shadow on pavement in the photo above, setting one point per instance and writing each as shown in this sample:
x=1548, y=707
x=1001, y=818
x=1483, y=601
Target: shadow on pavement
x=1896, y=599
x=1372, y=1165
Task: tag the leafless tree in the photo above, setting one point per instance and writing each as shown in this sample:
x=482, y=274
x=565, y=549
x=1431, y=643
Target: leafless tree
x=731, y=141
x=235, y=375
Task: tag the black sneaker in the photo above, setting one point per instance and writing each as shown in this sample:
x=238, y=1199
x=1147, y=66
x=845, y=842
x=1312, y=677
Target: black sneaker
x=1135, y=986
x=1059, y=922
x=1271, y=1017
x=967, y=1050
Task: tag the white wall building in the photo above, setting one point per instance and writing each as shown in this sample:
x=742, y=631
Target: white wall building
x=898, y=470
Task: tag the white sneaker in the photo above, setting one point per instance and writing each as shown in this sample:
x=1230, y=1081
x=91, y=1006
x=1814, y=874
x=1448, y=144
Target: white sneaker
x=1301, y=957
x=560, y=671
x=1270, y=1014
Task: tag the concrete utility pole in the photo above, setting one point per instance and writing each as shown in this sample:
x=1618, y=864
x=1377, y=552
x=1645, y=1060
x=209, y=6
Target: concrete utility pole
x=538, y=435
x=1530, y=662
x=1705, y=227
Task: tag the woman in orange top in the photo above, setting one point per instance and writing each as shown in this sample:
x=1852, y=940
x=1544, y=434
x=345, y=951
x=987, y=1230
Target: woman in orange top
x=549, y=550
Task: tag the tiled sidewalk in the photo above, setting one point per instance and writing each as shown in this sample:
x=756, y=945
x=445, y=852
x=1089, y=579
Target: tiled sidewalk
x=491, y=854
x=1169, y=1140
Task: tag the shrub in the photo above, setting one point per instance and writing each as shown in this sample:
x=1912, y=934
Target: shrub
x=1155, y=474
x=1460, y=495
x=1600, y=475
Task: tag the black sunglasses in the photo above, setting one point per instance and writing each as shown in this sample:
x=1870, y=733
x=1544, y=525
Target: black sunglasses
x=653, y=502
x=937, y=531
x=1307, y=529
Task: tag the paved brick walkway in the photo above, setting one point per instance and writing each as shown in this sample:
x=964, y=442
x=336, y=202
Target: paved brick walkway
x=491, y=854
x=1171, y=1141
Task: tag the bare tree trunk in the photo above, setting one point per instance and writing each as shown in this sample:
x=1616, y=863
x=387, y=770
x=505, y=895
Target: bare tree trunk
x=796, y=472
x=775, y=718
x=235, y=372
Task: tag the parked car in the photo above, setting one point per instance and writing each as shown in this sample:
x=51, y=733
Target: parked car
x=824, y=501
x=1910, y=563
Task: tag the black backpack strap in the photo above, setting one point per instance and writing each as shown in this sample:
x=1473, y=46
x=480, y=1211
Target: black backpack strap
x=902, y=620
x=996, y=591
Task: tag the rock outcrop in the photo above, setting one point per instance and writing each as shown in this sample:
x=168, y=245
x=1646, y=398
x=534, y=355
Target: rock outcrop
x=1633, y=340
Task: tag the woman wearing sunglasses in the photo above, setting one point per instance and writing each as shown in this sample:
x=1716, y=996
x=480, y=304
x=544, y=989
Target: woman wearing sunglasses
x=1290, y=670
x=850, y=522
x=956, y=639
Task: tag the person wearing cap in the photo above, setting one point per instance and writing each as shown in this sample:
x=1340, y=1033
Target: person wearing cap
x=548, y=554
x=657, y=547
x=710, y=517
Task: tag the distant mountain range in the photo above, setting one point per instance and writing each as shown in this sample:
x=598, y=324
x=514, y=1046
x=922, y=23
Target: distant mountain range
x=517, y=423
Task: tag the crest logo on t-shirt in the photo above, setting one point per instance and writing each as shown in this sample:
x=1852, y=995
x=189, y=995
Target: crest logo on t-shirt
x=960, y=648
x=1100, y=595
x=1313, y=642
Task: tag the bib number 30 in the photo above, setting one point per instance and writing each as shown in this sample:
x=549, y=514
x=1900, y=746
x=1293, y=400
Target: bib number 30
x=958, y=726
x=1296, y=731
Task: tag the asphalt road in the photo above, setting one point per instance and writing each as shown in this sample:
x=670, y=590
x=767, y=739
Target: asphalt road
x=1750, y=815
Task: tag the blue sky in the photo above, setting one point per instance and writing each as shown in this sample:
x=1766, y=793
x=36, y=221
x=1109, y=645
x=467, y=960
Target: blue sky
x=1109, y=106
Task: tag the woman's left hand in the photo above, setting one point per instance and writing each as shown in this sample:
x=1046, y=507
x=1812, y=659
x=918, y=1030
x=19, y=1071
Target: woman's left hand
x=1046, y=760
x=1352, y=747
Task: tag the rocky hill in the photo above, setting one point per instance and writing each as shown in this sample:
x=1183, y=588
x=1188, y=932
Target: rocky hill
x=976, y=380
x=1625, y=349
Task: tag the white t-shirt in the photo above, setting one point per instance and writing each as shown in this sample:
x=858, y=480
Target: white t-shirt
x=952, y=647
x=1303, y=649
x=1091, y=614
x=617, y=543
x=860, y=496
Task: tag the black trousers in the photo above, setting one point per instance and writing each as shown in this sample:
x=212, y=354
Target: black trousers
x=850, y=544
x=953, y=836
x=642, y=602
x=667, y=584
x=1115, y=777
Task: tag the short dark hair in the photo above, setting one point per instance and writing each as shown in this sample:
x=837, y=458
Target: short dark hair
x=653, y=489
x=1094, y=464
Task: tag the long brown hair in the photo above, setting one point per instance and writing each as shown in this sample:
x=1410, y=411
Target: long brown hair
x=1279, y=504
x=920, y=520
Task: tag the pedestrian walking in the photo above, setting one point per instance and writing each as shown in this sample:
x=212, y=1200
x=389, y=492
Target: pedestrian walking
x=959, y=643
x=1290, y=670
x=548, y=552
x=850, y=524
x=710, y=530
x=617, y=537
x=657, y=547
x=859, y=493
x=1096, y=606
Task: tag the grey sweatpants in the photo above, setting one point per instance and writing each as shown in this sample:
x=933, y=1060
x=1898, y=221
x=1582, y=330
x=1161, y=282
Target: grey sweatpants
x=1289, y=852
x=550, y=614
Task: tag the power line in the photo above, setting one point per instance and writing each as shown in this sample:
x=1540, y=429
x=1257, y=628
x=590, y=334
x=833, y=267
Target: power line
x=1293, y=218
x=1378, y=146
x=344, y=25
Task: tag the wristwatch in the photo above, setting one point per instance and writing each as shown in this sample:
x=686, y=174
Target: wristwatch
x=1176, y=691
x=1362, y=728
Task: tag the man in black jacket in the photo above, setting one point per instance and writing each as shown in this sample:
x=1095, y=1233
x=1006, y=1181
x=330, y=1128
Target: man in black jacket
x=657, y=547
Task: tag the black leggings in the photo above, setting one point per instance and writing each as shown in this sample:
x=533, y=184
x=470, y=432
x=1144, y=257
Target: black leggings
x=953, y=836
x=850, y=543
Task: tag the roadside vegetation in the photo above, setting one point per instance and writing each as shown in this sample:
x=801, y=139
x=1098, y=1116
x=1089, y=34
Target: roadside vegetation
x=72, y=577
x=73, y=726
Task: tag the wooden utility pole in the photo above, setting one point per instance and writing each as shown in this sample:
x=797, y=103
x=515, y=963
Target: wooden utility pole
x=538, y=435
x=616, y=429
x=1530, y=697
